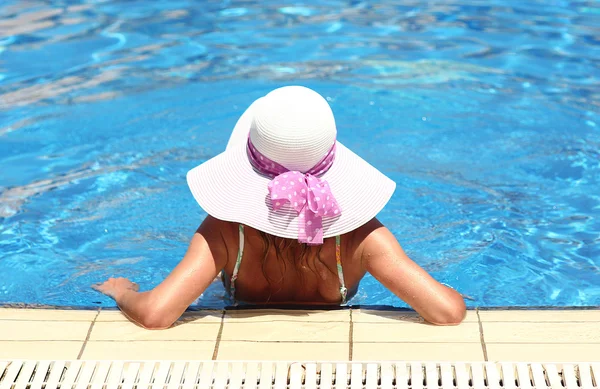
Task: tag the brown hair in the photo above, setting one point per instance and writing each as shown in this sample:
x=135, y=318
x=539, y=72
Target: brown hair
x=289, y=251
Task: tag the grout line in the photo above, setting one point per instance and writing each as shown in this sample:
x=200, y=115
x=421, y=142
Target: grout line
x=481, y=337
x=89, y=333
x=218, y=340
x=351, y=337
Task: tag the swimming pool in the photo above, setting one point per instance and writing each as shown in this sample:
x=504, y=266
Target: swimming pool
x=487, y=112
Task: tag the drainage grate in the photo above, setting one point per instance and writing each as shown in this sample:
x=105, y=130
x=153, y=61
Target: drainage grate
x=297, y=375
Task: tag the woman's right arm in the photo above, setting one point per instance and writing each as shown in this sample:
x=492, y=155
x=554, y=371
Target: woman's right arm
x=383, y=257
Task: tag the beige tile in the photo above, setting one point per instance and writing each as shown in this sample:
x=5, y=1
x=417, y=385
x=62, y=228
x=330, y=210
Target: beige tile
x=519, y=332
x=270, y=315
x=144, y=350
x=46, y=314
x=208, y=316
x=283, y=351
x=417, y=351
x=541, y=316
x=287, y=331
x=125, y=331
x=519, y=352
x=40, y=350
x=39, y=330
x=377, y=316
x=415, y=332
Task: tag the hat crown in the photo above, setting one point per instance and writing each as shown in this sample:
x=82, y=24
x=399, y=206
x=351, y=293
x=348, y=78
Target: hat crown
x=293, y=126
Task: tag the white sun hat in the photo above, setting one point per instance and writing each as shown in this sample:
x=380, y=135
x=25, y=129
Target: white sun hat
x=283, y=172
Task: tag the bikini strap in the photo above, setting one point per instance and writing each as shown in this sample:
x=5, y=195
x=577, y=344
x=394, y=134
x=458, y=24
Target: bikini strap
x=238, y=262
x=338, y=260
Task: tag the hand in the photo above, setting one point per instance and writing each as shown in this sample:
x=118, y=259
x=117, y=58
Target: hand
x=115, y=287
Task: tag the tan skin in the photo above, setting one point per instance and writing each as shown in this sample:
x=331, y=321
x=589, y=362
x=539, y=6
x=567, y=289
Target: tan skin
x=371, y=248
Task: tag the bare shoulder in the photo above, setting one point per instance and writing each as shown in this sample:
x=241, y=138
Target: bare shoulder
x=369, y=239
x=217, y=234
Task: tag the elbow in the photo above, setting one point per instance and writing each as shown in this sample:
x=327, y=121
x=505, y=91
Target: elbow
x=153, y=319
x=452, y=313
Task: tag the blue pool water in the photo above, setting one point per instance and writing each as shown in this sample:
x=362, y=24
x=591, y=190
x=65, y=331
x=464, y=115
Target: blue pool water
x=486, y=114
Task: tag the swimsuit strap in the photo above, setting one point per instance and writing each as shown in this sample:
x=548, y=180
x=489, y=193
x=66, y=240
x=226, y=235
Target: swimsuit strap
x=238, y=262
x=338, y=260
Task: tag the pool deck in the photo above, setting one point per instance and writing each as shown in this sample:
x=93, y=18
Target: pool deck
x=334, y=335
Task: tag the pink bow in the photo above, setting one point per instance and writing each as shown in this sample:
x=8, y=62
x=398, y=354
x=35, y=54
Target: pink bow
x=309, y=195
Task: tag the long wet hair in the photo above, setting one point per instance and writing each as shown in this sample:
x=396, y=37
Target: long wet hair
x=289, y=251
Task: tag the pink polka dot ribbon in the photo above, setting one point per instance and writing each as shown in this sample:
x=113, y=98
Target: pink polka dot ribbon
x=307, y=194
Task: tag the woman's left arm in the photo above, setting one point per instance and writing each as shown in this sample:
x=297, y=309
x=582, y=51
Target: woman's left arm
x=160, y=307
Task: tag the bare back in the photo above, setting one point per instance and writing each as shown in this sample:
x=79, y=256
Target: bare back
x=288, y=279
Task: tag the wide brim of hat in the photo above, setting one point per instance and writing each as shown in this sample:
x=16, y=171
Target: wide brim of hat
x=228, y=188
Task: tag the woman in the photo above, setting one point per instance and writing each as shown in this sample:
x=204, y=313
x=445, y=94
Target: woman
x=291, y=221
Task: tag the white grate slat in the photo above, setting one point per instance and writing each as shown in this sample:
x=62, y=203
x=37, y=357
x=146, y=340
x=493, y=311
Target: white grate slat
x=326, y=376
x=176, y=375
x=356, y=376
x=553, y=376
x=146, y=372
x=85, y=375
x=539, y=380
x=585, y=376
x=115, y=373
x=447, y=376
x=296, y=372
x=100, y=375
x=493, y=377
x=402, y=376
x=372, y=376
x=431, y=374
x=221, y=375
x=310, y=380
x=523, y=375
x=11, y=374
x=41, y=372
x=462, y=376
x=387, y=375
x=416, y=375
x=71, y=375
x=281, y=375
x=595, y=373
x=56, y=373
x=341, y=376
x=266, y=375
x=3, y=365
x=206, y=375
x=508, y=376
x=130, y=373
x=162, y=373
x=25, y=375
x=237, y=375
x=251, y=377
x=191, y=375
x=569, y=376
x=477, y=376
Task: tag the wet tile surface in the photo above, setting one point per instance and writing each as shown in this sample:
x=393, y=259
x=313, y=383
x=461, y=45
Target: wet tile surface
x=283, y=351
x=125, y=331
x=543, y=332
x=40, y=349
x=417, y=351
x=43, y=330
x=287, y=331
x=47, y=314
x=143, y=350
x=524, y=352
x=415, y=332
